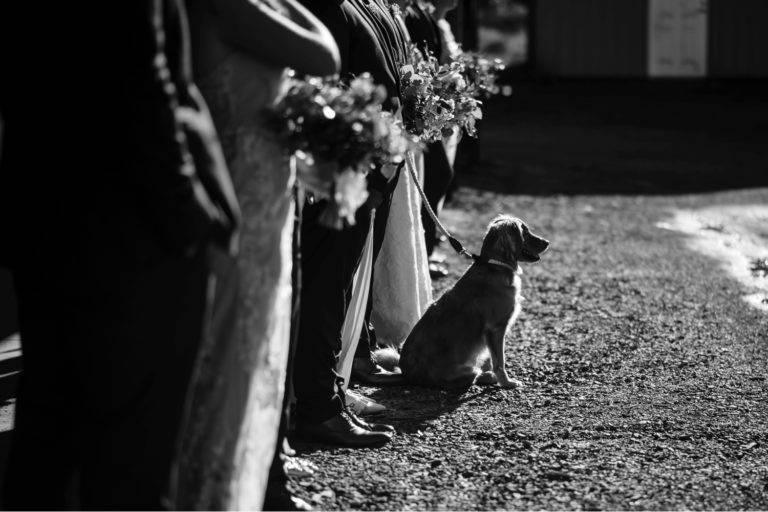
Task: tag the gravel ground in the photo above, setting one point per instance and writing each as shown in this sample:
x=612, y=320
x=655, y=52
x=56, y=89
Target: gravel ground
x=645, y=371
x=645, y=379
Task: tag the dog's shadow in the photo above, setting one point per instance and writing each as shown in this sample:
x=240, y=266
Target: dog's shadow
x=414, y=408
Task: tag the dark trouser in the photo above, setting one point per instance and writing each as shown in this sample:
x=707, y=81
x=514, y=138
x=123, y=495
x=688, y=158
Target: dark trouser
x=367, y=335
x=438, y=175
x=107, y=357
x=329, y=259
x=467, y=157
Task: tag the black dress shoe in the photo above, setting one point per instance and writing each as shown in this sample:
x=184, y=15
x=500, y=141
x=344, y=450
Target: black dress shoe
x=341, y=431
x=372, y=427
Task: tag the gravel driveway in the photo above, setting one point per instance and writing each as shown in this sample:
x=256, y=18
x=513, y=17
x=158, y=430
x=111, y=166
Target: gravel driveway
x=645, y=370
x=645, y=379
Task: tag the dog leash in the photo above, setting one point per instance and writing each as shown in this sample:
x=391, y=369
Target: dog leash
x=455, y=243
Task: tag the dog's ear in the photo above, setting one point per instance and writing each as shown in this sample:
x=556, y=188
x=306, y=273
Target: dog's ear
x=502, y=238
x=491, y=235
x=490, y=240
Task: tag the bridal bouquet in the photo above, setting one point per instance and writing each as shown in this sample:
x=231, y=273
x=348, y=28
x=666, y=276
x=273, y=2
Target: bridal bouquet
x=480, y=72
x=436, y=98
x=338, y=132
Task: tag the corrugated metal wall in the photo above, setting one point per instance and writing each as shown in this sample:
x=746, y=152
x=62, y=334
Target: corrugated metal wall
x=592, y=37
x=738, y=38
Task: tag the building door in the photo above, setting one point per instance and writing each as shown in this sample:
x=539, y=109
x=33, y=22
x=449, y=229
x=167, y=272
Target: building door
x=677, y=38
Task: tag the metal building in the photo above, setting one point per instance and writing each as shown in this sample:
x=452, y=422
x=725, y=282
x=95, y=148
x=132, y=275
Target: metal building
x=636, y=38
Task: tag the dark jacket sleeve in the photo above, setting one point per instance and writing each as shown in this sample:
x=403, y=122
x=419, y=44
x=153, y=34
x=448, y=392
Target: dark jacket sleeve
x=163, y=170
x=421, y=29
x=335, y=17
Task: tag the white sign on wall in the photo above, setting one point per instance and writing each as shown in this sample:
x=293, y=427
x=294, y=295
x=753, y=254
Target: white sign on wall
x=677, y=38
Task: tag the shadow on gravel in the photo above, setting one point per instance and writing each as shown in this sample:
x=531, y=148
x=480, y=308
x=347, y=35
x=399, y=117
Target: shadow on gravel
x=412, y=408
x=619, y=137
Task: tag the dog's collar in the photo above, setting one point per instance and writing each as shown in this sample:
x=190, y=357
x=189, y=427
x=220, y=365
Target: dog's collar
x=490, y=261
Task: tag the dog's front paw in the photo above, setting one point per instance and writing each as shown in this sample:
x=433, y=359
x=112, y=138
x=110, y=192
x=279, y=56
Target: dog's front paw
x=486, y=379
x=506, y=382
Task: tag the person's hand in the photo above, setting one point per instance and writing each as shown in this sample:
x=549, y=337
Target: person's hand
x=211, y=169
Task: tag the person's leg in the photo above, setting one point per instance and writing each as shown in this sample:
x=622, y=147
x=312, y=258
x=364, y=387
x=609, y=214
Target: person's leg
x=276, y=496
x=43, y=456
x=296, y=277
x=137, y=373
x=467, y=158
x=368, y=335
x=438, y=175
x=364, y=367
x=329, y=258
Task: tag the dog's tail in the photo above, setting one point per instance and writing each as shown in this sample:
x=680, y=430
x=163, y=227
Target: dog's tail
x=388, y=358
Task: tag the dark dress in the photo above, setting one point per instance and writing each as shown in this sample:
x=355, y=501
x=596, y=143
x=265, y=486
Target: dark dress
x=113, y=208
x=369, y=40
x=438, y=172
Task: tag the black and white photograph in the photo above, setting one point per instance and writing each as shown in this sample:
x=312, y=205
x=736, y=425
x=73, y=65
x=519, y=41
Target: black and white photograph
x=427, y=255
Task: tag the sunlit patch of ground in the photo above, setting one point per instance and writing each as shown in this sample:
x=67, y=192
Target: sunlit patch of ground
x=737, y=236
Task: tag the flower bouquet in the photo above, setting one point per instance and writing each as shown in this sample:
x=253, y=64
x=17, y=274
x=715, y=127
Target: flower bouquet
x=337, y=132
x=480, y=72
x=436, y=98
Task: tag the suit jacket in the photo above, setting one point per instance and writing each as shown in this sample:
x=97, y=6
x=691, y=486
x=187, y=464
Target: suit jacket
x=423, y=29
x=94, y=155
x=368, y=40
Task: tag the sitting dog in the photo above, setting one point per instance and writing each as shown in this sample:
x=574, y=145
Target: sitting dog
x=469, y=321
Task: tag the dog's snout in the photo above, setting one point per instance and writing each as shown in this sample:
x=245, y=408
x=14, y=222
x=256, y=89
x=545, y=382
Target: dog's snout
x=537, y=243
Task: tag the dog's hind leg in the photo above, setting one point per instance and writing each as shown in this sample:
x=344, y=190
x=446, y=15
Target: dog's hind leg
x=461, y=377
x=495, y=341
